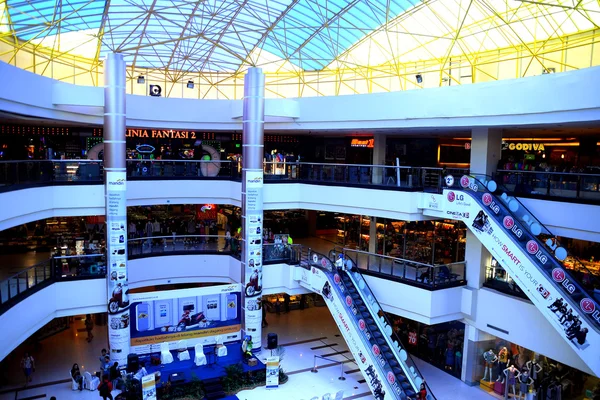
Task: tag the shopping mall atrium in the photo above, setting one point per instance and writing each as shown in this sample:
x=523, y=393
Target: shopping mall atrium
x=300, y=199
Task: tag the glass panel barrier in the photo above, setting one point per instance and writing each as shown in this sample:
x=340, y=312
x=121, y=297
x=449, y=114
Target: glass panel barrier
x=410, y=272
x=178, y=244
x=80, y=266
x=31, y=172
x=275, y=253
x=181, y=169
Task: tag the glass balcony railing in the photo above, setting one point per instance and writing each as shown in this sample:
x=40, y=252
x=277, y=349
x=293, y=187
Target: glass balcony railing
x=580, y=186
x=34, y=278
x=182, y=169
x=18, y=174
x=406, y=271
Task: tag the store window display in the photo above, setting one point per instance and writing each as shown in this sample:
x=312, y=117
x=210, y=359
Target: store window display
x=540, y=377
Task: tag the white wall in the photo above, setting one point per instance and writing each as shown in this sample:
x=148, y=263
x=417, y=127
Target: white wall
x=534, y=100
x=26, y=205
x=428, y=307
x=578, y=221
x=374, y=202
x=164, y=270
x=525, y=325
x=57, y=300
x=183, y=192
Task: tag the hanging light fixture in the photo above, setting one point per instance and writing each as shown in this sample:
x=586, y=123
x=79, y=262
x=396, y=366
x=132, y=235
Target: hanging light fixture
x=190, y=84
x=141, y=80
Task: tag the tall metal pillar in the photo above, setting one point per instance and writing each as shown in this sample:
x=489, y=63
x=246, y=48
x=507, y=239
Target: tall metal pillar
x=116, y=208
x=252, y=202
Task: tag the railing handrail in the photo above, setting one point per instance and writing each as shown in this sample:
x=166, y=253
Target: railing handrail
x=80, y=256
x=180, y=161
x=177, y=236
x=73, y=160
x=548, y=172
x=345, y=165
x=26, y=270
x=345, y=249
x=329, y=359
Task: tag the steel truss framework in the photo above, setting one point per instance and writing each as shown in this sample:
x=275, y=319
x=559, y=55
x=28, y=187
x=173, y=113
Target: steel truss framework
x=306, y=47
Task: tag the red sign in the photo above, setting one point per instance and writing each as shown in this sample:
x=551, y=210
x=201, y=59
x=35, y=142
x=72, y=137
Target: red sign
x=467, y=146
x=368, y=143
x=487, y=199
x=558, y=275
x=412, y=338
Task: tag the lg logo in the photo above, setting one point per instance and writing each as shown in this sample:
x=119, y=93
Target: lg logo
x=451, y=197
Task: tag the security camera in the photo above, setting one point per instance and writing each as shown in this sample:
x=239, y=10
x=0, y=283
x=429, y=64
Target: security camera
x=155, y=90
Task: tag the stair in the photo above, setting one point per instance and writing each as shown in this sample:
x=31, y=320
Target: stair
x=529, y=252
x=213, y=389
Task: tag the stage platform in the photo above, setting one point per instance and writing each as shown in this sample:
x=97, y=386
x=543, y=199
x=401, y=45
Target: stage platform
x=215, y=367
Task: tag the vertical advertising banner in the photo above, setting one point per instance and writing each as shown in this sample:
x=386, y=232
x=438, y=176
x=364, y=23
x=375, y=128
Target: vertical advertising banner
x=116, y=245
x=149, y=387
x=253, y=255
x=272, y=372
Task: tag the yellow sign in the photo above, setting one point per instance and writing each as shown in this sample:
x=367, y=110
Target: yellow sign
x=526, y=146
x=368, y=143
x=191, y=334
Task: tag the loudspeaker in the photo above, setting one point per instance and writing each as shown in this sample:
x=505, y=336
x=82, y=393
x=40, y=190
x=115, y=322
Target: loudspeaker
x=271, y=341
x=133, y=363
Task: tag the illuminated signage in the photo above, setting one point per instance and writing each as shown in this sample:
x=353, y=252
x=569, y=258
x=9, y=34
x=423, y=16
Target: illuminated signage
x=368, y=143
x=526, y=146
x=160, y=134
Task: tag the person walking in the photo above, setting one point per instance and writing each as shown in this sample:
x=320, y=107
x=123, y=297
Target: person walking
x=105, y=388
x=89, y=325
x=28, y=366
x=264, y=314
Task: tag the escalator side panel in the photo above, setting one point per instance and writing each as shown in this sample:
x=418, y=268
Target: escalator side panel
x=375, y=374
x=521, y=259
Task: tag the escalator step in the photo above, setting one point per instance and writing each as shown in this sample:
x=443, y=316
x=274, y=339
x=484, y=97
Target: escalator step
x=385, y=349
x=406, y=386
x=380, y=342
x=377, y=334
x=409, y=393
x=388, y=355
x=399, y=374
x=393, y=363
x=363, y=309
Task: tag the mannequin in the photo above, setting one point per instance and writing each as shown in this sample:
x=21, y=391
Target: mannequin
x=502, y=363
x=512, y=374
x=535, y=368
x=524, y=382
x=489, y=358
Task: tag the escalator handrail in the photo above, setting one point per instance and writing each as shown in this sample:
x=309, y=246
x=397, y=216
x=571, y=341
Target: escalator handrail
x=501, y=187
x=395, y=336
x=358, y=329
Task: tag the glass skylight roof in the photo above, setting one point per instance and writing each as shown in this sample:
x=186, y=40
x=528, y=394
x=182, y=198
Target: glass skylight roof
x=227, y=36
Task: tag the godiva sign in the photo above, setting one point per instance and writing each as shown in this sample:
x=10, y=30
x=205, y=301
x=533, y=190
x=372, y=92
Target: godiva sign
x=161, y=134
x=526, y=146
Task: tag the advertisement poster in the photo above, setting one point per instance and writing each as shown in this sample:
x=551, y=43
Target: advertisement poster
x=197, y=315
x=116, y=243
x=534, y=269
x=148, y=387
x=272, y=372
x=252, y=254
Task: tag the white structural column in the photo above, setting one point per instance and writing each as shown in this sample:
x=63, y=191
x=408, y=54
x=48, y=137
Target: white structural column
x=475, y=344
x=252, y=202
x=116, y=208
x=373, y=235
x=378, y=158
x=486, y=148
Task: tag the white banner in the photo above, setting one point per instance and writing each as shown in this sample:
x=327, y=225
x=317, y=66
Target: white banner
x=116, y=244
x=149, y=387
x=253, y=257
x=506, y=242
x=272, y=372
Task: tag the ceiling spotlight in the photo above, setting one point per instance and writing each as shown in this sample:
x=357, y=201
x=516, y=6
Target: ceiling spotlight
x=562, y=156
x=141, y=79
x=419, y=78
x=190, y=84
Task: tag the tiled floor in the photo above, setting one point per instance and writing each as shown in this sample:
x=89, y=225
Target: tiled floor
x=304, y=333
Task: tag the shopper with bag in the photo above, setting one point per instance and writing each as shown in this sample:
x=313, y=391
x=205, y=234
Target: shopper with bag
x=105, y=388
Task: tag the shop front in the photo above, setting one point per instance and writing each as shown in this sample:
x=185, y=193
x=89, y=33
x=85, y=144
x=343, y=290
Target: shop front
x=440, y=345
x=508, y=370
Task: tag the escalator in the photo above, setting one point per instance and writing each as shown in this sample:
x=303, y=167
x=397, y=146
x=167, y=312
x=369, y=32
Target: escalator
x=544, y=270
x=387, y=368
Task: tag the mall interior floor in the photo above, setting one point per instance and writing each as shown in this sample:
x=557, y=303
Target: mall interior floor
x=303, y=333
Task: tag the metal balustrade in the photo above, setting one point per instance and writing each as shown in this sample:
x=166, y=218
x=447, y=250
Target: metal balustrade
x=414, y=273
